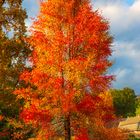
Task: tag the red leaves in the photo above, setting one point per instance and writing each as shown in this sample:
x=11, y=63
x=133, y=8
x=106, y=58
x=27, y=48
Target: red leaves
x=57, y=83
x=82, y=135
x=88, y=104
x=100, y=83
x=70, y=45
x=1, y=117
x=35, y=115
x=35, y=77
x=108, y=117
x=4, y=133
x=67, y=102
x=25, y=76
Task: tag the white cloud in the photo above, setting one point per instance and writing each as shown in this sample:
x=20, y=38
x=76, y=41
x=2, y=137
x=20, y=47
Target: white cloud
x=136, y=6
x=125, y=27
x=122, y=73
x=129, y=50
x=127, y=64
x=122, y=17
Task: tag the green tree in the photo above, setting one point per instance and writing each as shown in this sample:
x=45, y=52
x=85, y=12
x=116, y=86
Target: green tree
x=12, y=17
x=13, y=52
x=124, y=101
x=13, y=55
x=138, y=105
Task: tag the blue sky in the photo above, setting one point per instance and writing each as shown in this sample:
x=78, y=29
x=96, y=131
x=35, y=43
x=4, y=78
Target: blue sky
x=124, y=18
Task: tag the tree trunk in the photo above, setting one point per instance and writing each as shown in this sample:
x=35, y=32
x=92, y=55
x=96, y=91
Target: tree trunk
x=67, y=128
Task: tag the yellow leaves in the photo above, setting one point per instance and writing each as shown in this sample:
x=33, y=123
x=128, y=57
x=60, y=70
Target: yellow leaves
x=27, y=104
x=64, y=55
x=107, y=98
x=23, y=93
x=74, y=71
x=15, y=123
x=36, y=102
x=105, y=109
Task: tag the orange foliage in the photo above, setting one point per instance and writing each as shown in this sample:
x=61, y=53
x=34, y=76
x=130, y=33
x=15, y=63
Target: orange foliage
x=1, y=117
x=103, y=133
x=71, y=45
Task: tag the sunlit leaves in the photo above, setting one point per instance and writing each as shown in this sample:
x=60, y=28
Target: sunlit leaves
x=36, y=115
x=71, y=45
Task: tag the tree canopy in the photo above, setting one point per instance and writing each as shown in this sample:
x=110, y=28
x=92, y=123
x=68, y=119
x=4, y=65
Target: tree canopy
x=12, y=46
x=124, y=101
x=13, y=55
x=71, y=45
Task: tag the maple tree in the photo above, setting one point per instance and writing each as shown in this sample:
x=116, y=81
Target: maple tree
x=71, y=45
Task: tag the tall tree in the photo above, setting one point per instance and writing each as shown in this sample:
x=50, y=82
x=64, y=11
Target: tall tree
x=71, y=45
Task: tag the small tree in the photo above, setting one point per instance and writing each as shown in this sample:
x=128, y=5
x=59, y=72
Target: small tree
x=71, y=45
x=124, y=101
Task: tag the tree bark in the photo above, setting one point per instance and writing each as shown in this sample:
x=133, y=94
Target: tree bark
x=67, y=128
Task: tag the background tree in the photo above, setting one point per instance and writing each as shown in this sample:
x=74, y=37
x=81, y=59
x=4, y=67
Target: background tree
x=13, y=55
x=13, y=52
x=138, y=105
x=124, y=101
x=71, y=45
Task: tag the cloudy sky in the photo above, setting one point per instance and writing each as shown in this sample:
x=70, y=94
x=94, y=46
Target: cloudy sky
x=124, y=18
